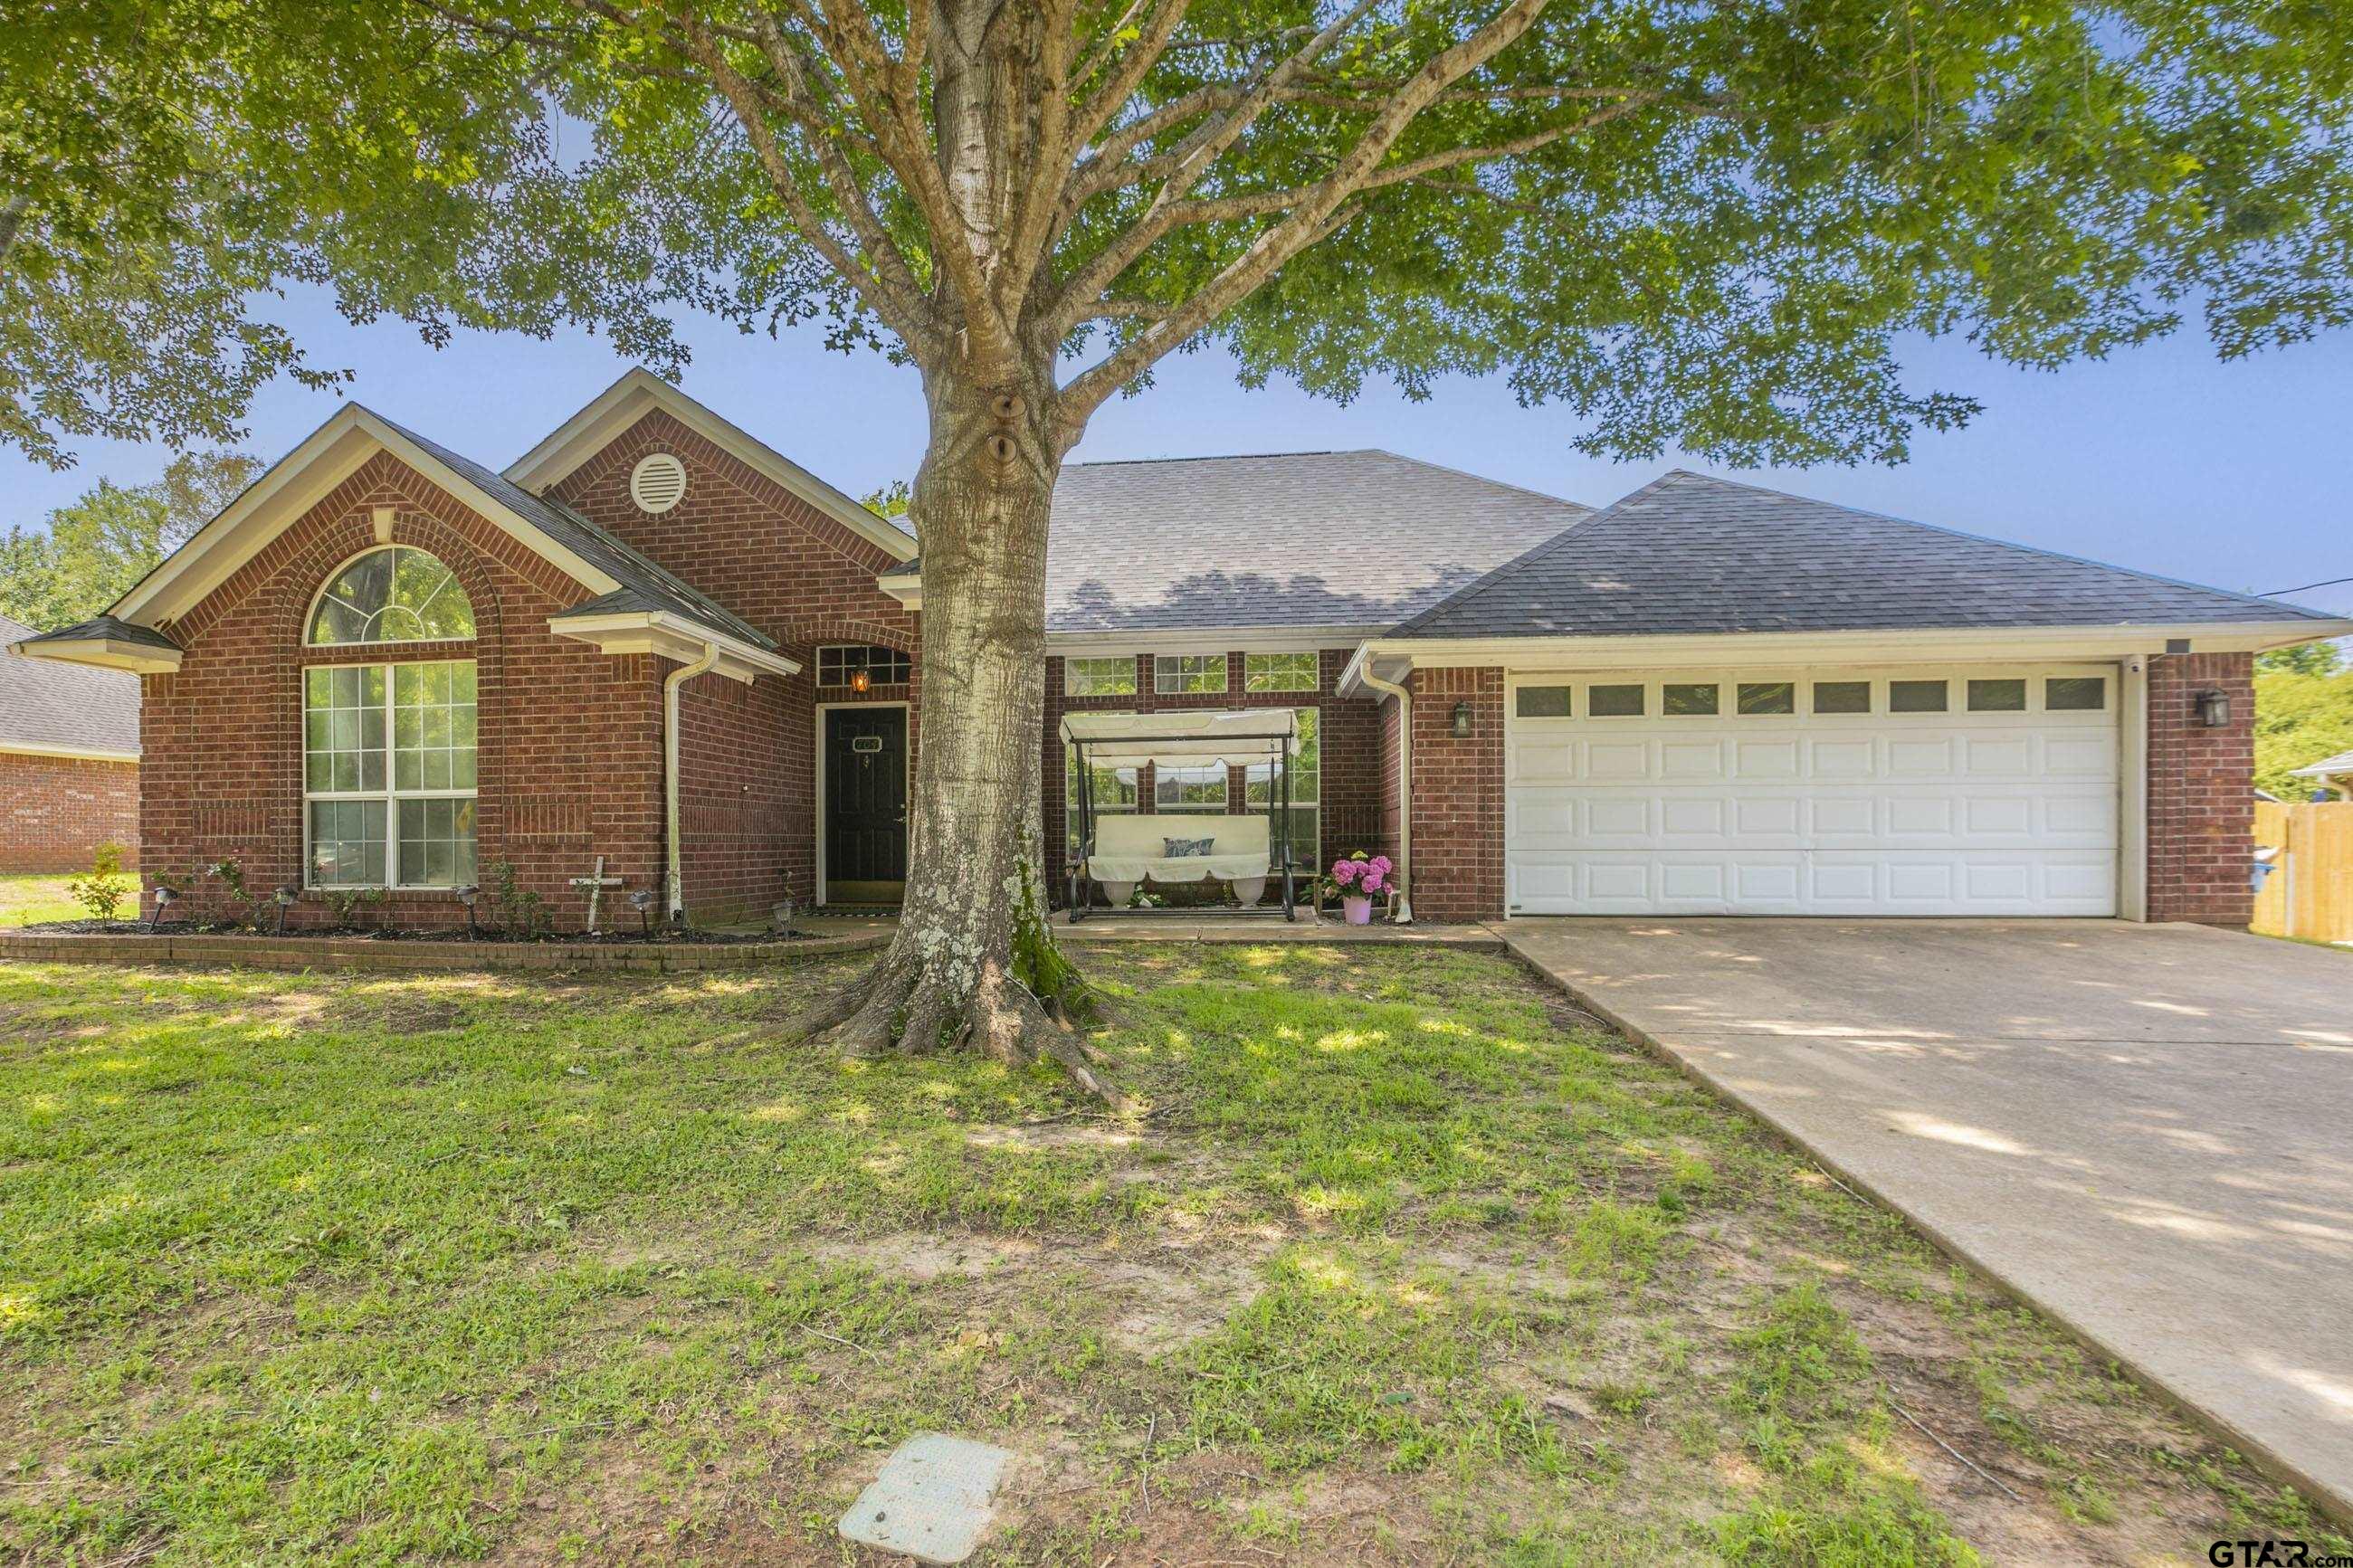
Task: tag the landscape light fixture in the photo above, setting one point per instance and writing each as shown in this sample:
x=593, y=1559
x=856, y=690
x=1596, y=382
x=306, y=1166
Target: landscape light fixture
x=163, y=896
x=468, y=896
x=642, y=900
x=285, y=898
x=1463, y=720
x=2215, y=709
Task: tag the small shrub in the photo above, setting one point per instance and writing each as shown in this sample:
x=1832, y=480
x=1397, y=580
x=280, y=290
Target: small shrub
x=346, y=903
x=522, y=912
x=103, y=889
x=245, y=909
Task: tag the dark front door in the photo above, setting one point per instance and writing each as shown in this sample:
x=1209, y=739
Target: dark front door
x=865, y=805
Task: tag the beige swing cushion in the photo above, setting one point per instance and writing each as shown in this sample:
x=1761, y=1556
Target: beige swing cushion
x=1128, y=848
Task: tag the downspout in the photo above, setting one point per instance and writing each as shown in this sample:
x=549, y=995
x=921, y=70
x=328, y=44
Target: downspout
x=673, y=879
x=1405, y=788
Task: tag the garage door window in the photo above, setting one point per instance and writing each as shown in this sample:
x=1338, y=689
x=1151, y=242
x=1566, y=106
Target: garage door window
x=2074, y=694
x=1613, y=701
x=1768, y=697
x=1684, y=701
x=1841, y=697
x=1997, y=696
x=1915, y=697
x=1542, y=702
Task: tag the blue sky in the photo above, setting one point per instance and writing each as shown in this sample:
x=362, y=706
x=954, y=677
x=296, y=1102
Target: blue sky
x=2161, y=459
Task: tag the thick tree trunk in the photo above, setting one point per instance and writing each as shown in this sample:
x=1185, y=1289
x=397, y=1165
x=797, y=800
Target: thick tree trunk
x=972, y=939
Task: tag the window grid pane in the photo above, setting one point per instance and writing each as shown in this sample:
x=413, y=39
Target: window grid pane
x=1258, y=785
x=393, y=594
x=2074, y=694
x=1613, y=702
x=1278, y=672
x=1542, y=702
x=1099, y=677
x=1915, y=696
x=433, y=726
x=1767, y=696
x=1188, y=674
x=1685, y=701
x=1997, y=696
x=1198, y=789
x=1841, y=697
x=838, y=664
x=347, y=843
x=427, y=733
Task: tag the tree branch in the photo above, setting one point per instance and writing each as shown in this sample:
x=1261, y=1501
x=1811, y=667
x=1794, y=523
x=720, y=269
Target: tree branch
x=1305, y=222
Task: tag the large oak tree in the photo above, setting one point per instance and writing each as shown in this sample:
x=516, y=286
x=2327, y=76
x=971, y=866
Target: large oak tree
x=1702, y=222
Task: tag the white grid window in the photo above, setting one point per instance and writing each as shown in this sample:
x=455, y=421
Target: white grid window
x=1195, y=789
x=840, y=664
x=1261, y=789
x=1188, y=674
x=387, y=746
x=1278, y=672
x=1099, y=677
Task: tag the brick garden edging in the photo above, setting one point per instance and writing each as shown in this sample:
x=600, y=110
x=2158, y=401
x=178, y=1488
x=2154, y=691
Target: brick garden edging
x=367, y=952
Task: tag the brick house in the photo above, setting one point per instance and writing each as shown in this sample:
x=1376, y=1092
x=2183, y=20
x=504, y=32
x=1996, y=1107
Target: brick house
x=69, y=762
x=656, y=641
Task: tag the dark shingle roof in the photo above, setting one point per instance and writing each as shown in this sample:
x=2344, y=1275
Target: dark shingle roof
x=1692, y=554
x=45, y=703
x=1295, y=539
x=654, y=587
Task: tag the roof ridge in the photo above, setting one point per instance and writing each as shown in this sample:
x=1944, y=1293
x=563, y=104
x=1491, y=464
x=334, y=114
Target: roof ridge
x=1218, y=457
x=1489, y=579
x=1987, y=539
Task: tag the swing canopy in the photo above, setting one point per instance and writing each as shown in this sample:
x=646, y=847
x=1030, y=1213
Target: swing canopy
x=1184, y=738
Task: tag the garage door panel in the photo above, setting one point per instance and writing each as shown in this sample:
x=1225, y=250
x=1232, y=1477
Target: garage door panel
x=1921, y=814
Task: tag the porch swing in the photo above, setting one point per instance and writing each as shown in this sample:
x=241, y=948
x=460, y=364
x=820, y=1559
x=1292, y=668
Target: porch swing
x=1121, y=851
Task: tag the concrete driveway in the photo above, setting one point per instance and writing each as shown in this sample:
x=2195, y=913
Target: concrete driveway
x=2146, y=1130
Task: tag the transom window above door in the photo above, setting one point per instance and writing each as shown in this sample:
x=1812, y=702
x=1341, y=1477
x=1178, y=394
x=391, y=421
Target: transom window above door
x=861, y=665
x=392, y=593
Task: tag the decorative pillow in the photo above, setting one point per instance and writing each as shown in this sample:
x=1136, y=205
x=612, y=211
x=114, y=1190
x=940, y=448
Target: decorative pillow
x=1178, y=849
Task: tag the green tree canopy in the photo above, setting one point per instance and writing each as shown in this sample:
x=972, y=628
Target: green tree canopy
x=97, y=546
x=2304, y=711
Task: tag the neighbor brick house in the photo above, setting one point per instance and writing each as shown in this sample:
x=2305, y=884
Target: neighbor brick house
x=69, y=762
x=657, y=642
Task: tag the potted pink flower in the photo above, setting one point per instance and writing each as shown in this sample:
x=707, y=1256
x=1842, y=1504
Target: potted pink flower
x=1356, y=880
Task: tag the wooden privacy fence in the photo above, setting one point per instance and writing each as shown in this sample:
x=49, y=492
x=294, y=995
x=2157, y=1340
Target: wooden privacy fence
x=2311, y=894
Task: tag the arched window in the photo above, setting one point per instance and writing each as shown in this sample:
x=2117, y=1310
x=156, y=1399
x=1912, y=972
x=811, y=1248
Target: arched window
x=392, y=595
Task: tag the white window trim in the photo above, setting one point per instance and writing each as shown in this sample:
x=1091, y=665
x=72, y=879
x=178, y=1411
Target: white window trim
x=1315, y=673
x=848, y=647
x=335, y=575
x=390, y=796
x=1315, y=851
x=1071, y=664
x=1160, y=687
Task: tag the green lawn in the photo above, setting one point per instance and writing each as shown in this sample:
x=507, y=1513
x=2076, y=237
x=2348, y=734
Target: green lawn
x=26, y=900
x=1398, y=1261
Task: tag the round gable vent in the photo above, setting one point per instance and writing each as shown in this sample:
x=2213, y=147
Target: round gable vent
x=658, y=483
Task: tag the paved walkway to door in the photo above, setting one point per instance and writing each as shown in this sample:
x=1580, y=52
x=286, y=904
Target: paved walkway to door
x=2146, y=1131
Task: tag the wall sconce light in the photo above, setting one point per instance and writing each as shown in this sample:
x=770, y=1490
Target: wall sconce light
x=1462, y=720
x=2214, y=710
x=860, y=680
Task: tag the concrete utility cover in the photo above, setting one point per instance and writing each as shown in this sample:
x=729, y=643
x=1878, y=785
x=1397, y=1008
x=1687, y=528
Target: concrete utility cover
x=933, y=1499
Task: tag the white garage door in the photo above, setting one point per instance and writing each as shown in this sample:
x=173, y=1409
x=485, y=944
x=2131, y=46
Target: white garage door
x=1837, y=792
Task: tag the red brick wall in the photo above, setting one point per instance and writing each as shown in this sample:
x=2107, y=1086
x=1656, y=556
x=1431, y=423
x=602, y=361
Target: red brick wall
x=55, y=810
x=802, y=578
x=570, y=748
x=2202, y=804
x=1457, y=796
x=1350, y=788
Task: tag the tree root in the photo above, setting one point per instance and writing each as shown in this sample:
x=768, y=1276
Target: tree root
x=903, y=1006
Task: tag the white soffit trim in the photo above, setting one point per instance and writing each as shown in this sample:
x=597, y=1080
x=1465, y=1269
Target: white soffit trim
x=641, y=392
x=907, y=587
x=106, y=653
x=674, y=638
x=1943, y=644
x=330, y=455
x=78, y=753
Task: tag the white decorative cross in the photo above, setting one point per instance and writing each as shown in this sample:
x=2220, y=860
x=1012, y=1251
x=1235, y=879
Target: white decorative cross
x=596, y=882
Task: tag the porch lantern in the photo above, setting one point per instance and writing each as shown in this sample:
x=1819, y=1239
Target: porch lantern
x=1463, y=720
x=860, y=680
x=2215, y=709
